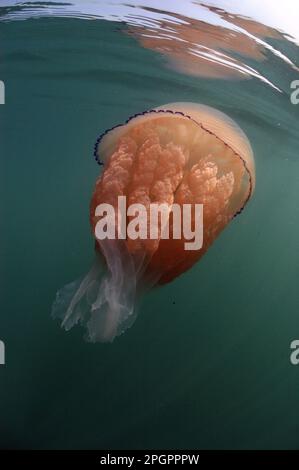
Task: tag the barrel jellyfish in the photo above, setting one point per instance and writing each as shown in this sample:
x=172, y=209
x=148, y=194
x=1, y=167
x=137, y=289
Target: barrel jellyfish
x=177, y=154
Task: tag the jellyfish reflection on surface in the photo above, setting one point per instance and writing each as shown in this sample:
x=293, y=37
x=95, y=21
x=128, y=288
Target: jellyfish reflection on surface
x=179, y=153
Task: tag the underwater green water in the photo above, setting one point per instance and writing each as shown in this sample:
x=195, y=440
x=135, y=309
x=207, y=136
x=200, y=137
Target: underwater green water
x=206, y=364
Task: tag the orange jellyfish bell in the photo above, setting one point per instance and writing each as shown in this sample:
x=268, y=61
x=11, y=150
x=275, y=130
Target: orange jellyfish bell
x=177, y=156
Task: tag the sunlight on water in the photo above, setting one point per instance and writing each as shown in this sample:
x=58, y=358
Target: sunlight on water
x=200, y=38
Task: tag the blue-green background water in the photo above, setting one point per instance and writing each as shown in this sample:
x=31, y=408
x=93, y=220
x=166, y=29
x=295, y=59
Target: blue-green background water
x=206, y=364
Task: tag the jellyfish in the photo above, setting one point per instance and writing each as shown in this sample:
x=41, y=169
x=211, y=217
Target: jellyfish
x=174, y=155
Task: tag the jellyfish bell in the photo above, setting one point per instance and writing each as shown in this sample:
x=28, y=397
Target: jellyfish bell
x=178, y=155
x=214, y=122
